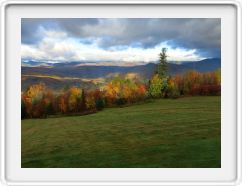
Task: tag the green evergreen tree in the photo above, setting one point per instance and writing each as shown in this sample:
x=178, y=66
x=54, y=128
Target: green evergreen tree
x=162, y=67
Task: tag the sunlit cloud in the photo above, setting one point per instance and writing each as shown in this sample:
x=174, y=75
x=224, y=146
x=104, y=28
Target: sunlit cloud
x=66, y=49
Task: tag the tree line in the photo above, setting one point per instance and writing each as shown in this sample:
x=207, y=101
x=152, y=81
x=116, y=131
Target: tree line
x=39, y=102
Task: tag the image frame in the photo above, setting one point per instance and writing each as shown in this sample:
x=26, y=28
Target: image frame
x=235, y=3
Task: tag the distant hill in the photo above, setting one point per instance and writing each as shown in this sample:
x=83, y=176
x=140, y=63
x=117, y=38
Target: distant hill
x=206, y=65
x=73, y=69
x=32, y=70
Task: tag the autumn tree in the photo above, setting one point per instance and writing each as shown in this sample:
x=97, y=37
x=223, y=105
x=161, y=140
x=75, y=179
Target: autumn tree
x=99, y=99
x=31, y=99
x=172, y=89
x=90, y=102
x=75, y=95
x=141, y=92
x=156, y=86
x=48, y=101
x=62, y=105
x=83, y=101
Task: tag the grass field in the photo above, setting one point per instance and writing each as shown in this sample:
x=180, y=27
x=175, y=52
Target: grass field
x=163, y=133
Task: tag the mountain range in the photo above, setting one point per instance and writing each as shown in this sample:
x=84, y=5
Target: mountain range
x=57, y=75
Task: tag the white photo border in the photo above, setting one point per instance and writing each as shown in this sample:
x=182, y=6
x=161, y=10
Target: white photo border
x=235, y=3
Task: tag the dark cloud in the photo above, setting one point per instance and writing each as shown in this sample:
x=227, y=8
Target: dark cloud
x=30, y=33
x=198, y=33
x=210, y=52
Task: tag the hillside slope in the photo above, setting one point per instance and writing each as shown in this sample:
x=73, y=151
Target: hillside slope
x=164, y=133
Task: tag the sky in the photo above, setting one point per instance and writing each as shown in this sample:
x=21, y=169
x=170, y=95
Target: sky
x=119, y=41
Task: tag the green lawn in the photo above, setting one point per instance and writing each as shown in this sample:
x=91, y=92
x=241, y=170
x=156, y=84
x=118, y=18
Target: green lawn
x=182, y=132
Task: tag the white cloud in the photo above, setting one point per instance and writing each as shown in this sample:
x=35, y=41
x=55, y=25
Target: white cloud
x=56, y=46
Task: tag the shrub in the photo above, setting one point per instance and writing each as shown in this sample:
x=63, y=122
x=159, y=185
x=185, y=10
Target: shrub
x=100, y=103
x=121, y=101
